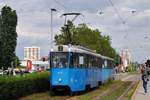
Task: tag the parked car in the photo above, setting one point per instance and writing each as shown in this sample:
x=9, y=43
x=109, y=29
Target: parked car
x=1, y=72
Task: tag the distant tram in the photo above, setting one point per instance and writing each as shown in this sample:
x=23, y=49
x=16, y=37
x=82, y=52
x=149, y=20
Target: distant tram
x=76, y=68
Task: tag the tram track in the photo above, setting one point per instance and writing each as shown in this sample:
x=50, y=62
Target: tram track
x=94, y=94
x=113, y=88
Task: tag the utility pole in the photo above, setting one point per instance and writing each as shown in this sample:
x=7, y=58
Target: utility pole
x=52, y=35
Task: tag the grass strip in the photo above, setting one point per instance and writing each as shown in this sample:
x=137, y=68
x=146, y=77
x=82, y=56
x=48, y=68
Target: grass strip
x=116, y=92
x=130, y=93
x=109, y=91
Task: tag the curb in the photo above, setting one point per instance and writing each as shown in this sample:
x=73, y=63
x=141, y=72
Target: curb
x=135, y=92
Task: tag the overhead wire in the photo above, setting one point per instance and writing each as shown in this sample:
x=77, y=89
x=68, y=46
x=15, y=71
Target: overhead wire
x=123, y=21
x=117, y=12
x=66, y=8
x=61, y=4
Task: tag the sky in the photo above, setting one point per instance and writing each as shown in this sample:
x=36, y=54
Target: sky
x=127, y=22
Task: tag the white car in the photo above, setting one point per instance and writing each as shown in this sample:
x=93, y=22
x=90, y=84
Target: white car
x=1, y=72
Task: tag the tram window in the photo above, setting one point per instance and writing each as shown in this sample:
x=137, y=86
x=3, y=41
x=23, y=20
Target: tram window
x=78, y=60
x=103, y=65
x=106, y=63
x=71, y=60
x=97, y=62
x=89, y=61
x=75, y=60
x=100, y=62
x=86, y=60
x=93, y=61
x=113, y=64
x=59, y=59
x=110, y=63
x=81, y=60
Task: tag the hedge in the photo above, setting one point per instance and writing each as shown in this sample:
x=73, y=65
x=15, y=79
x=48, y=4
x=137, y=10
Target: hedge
x=13, y=87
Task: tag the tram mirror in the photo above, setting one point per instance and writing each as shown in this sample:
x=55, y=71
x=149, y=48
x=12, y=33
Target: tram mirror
x=81, y=60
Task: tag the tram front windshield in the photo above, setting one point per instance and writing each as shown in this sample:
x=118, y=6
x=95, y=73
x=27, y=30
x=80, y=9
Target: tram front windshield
x=59, y=59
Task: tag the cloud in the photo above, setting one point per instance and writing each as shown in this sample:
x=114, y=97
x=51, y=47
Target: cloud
x=42, y=41
x=34, y=22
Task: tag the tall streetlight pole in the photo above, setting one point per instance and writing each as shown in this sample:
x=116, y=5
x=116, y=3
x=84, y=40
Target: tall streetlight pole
x=52, y=36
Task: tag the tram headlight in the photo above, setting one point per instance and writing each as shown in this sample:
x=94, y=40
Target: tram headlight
x=52, y=49
x=59, y=80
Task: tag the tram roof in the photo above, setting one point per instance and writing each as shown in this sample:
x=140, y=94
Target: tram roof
x=107, y=58
x=78, y=49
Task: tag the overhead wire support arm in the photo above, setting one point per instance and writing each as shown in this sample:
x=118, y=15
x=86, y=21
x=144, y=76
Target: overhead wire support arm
x=71, y=14
x=74, y=18
x=69, y=35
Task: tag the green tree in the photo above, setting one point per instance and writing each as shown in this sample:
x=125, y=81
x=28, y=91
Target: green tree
x=66, y=37
x=87, y=37
x=8, y=36
x=16, y=61
x=117, y=59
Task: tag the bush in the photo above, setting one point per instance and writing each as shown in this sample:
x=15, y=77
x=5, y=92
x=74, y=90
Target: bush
x=16, y=86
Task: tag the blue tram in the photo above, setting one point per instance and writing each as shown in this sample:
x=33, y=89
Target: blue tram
x=77, y=68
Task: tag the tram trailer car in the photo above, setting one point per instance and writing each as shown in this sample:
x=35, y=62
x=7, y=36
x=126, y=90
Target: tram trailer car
x=77, y=68
x=107, y=70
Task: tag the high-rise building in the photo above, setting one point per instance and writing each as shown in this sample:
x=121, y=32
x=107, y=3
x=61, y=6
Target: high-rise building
x=32, y=53
x=125, y=57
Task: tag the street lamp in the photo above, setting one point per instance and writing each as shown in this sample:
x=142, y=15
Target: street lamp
x=52, y=36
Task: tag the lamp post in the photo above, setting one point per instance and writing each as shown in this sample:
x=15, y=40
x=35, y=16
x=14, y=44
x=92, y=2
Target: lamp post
x=52, y=36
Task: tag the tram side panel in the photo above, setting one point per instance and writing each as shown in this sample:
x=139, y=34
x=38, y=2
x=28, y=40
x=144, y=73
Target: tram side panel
x=77, y=79
x=88, y=76
x=92, y=77
x=106, y=73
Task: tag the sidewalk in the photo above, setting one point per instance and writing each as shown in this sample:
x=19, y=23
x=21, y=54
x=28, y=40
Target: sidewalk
x=140, y=92
x=126, y=77
x=120, y=76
